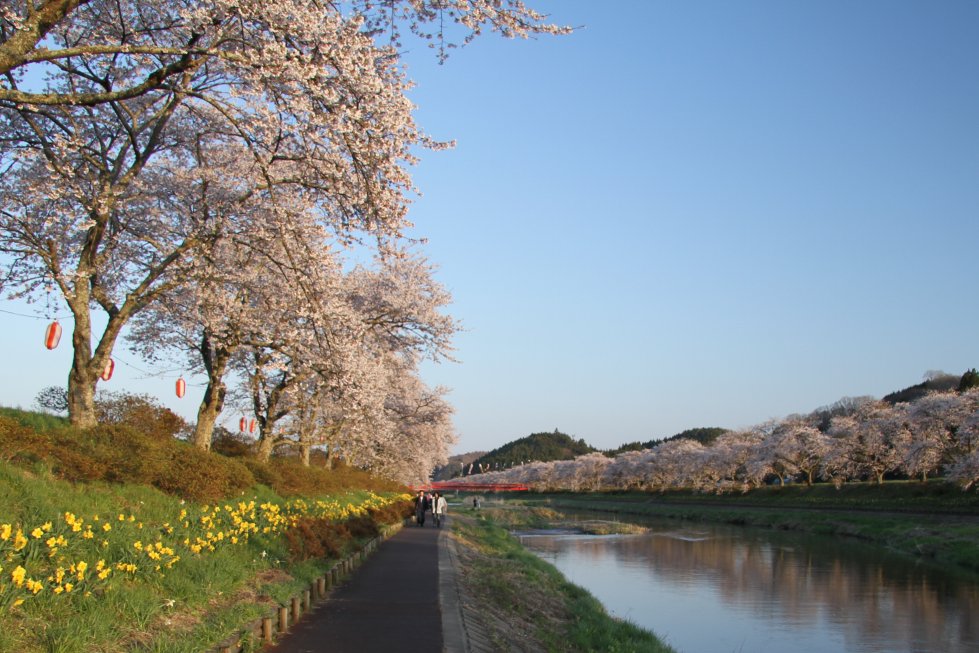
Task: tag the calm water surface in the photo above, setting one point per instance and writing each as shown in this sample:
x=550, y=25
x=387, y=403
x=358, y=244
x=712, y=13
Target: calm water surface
x=721, y=589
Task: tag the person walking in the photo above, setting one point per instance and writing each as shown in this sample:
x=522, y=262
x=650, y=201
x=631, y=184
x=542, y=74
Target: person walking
x=439, y=506
x=420, y=505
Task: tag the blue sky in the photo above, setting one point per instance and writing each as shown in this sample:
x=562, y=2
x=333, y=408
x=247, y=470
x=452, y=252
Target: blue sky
x=685, y=214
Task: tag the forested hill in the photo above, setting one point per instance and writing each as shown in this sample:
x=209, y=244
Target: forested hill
x=704, y=436
x=537, y=446
x=937, y=382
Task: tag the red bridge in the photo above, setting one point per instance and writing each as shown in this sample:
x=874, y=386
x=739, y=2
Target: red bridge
x=473, y=487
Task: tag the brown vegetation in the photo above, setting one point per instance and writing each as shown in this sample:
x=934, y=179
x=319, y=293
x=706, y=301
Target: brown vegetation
x=121, y=453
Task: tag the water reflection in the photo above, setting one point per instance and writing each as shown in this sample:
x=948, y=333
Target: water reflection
x=718, y=589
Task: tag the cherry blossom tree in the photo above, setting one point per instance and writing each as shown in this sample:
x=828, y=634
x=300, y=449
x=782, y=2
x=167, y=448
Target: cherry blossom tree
x=86, y=214
x=132, y=94
x=624, y=472
x=675, y=464
x=725, y=464
x=865, y=444
x=419, y=430
x=591, y=469
x=965, y=471
x=796, y=447
x=147, y=46
x=268, y=261
x=934, y=422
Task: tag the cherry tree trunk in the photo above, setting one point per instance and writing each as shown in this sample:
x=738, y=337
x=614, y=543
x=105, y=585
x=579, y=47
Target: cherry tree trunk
x=207, y=415
x=216, y=363
x=81, y=378
x=81, y=397
x=265, y=446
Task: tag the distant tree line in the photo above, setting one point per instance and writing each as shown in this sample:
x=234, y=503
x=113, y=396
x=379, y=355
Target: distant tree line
x=855, y=439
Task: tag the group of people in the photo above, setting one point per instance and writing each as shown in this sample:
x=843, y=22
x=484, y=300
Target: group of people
x=433, y=502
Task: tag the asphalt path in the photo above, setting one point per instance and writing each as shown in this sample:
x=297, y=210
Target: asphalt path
x=390, y=604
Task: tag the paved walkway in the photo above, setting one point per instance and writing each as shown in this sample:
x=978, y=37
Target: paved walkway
x=402, y=598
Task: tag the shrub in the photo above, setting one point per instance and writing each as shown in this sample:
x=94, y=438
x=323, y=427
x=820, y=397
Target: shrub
x=123, y=452
x=232, y=445
x=196, y=475
x=316, y=538
x=141, y=412
x=18, y=441
x=111, y=452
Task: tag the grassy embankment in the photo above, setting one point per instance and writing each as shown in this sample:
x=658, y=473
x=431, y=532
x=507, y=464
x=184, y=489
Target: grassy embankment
x=933, y=521
x=525, y=602
x=114, y=541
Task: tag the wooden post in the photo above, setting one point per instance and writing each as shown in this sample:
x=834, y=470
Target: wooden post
x=320, y=587
x=267, y=629
x=295, y=609
x=283, y=619
x=307, y=600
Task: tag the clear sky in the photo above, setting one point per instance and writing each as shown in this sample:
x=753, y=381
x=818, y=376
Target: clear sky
x=684, y=214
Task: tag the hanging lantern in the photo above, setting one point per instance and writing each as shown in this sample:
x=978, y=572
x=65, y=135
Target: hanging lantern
x=53, y=335
x=251, y=426
x=242, y=423
x=181, y=388
x=109, y=368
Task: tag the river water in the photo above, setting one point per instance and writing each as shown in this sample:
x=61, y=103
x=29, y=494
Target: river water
x=706, y=588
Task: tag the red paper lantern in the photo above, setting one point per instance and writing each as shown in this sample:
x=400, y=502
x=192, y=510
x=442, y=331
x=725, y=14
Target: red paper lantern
x=53, y=335
x=181, y=387
x=251, y=426
x=242, y=423
x=109, y=368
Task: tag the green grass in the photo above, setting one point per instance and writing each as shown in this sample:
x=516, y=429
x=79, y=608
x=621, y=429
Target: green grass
x=202, y=599
x=36, y=421
x=563, y=616
x=115, y=538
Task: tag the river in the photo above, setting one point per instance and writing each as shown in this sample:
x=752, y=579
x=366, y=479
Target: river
x=708, y=588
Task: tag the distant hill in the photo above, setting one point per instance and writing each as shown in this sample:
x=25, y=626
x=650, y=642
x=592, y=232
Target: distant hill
x=536, y=446
x=704, y=435
x=941, y=382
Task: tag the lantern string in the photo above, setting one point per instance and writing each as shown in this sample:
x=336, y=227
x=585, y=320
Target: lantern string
x=67, y=316
x=47, y=310
x=172, y=373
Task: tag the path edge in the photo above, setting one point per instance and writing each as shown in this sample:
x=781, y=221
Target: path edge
x=454, y=636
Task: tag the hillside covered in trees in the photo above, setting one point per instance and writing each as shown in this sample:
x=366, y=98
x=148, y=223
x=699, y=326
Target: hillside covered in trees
x=541, y=447
x=704, y=435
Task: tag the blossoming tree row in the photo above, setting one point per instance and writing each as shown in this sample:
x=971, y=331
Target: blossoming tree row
x=937, y=434
x=191, y=170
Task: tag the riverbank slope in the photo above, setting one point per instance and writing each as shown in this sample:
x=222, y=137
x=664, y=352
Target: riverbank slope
x=521, y=603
